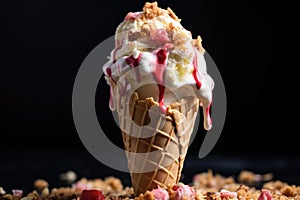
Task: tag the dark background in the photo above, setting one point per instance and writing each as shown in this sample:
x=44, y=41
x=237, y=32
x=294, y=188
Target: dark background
x=43, y=44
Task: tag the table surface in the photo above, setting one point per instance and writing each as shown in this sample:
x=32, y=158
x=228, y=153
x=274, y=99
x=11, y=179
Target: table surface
x=19, y=169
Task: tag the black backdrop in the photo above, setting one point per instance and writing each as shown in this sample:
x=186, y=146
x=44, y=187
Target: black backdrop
x=43, y=44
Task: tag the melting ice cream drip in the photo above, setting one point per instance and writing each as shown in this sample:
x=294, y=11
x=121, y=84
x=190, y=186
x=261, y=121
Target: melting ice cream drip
x=164, y=33
x=205, y=102
x=158, y=74
x=196, y=73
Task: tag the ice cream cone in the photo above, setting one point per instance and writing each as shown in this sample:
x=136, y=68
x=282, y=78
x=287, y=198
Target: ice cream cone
x=157, y=76
x=156, y=161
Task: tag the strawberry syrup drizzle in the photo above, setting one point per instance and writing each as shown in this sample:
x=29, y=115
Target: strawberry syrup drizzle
x=206, y=108
x=158, y=74
x=208, y=114
x=109, y=73
x=196, y=74
x=134, y=62
x=118, y=45
x=161, y=97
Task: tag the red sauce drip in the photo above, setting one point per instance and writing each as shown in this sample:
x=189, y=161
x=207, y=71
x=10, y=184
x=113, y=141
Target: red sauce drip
x=196, y=74
x=161, y=97
x=208, y=114
x=134, y=62
x=108, y=71
x=159, y=76
x=161, y=56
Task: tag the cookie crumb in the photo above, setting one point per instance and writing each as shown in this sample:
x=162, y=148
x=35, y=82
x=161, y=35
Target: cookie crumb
x=68, y=177
x=173, y=15
x=2, y=191
x=287, y=191
x=40, y=184
x=45, y=192
x=146, y=196
x=151, y=10
x=198, y=44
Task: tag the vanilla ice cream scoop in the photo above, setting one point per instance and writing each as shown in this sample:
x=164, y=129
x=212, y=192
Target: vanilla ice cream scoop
x=153, y=47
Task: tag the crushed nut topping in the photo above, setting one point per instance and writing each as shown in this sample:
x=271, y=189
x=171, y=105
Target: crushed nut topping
x=207, y=186
x=172, y=14
x=151, y=10
x=198, y=44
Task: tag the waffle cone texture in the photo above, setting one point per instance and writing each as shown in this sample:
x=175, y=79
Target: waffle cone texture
x=156, y=143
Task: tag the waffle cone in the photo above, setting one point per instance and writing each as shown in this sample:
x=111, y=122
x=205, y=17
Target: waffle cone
x=157, y=160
